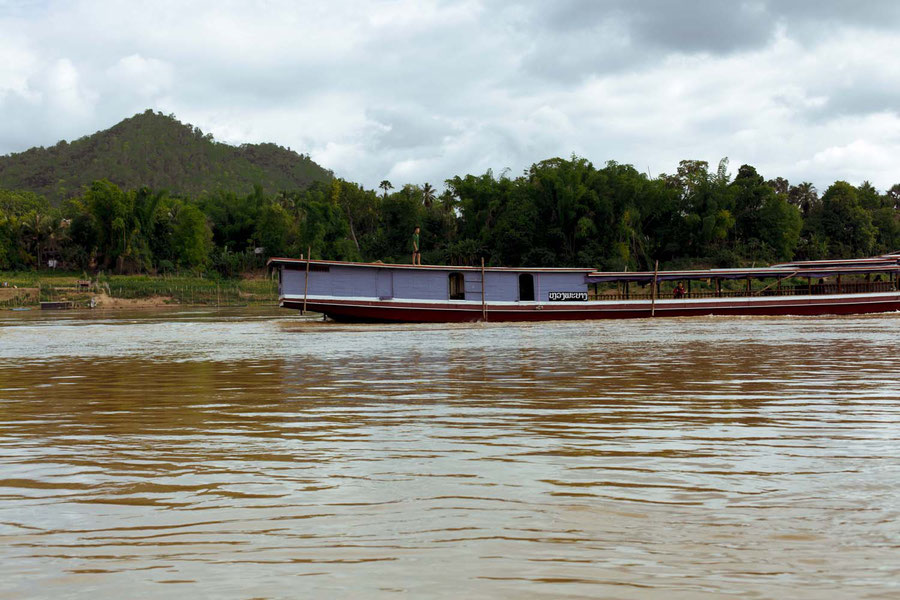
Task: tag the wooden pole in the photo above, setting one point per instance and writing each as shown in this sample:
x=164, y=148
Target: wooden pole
x=653, y=290
x=777, y=283
x=483, y=299
x=306, y=282
x=718, y=288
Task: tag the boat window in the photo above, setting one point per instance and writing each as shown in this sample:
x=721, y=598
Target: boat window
x=457, y=286
x=526, y=287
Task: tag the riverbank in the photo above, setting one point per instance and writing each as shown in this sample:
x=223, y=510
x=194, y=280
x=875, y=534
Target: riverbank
x=30, y=288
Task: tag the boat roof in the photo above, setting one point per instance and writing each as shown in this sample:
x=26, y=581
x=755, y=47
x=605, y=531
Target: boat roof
x=814, y=269
x=300, y=263
x=886, y=260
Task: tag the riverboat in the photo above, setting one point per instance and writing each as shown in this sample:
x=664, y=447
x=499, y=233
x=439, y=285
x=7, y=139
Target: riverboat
x=354, y=291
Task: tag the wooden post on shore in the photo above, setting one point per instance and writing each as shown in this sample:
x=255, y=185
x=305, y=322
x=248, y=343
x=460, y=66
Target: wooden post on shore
x=306, y=282
x=653, y=290
x=483, y=300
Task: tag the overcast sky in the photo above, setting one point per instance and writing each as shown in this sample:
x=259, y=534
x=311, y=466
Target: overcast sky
x=420, y=91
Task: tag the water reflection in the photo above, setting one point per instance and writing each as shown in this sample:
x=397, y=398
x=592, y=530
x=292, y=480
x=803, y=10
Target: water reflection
x=248, y=454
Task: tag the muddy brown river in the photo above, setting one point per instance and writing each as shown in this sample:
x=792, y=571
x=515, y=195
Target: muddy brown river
x=246, y=453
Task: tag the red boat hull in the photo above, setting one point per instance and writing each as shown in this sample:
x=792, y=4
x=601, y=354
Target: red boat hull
x=443, y=312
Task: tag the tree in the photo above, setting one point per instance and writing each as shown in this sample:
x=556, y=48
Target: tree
x=780, y=185
x=779, y=227
x=234, y=217
x=385, y=185
x=751, y=195
x=869, y=198
x=359, y=206
x=16, y=203
x=893, y=195
x=36, y=231
x=701, y=218
x=145, y=204
x=82, y=237
x=804, y=196
x=274, y=230
x=111, y=210
x=886, y=221
x=427, y=195
x=843, y=223
x=191, y=237
x=6, y=243
x=691, y=174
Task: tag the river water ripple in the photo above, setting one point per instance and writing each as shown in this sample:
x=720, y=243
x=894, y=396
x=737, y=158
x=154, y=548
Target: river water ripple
x=249, y=454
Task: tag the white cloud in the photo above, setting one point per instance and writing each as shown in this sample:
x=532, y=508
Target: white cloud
x=147, y=78
x=16, y=64
x=63, y=90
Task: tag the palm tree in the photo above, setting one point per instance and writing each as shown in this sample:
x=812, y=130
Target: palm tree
x=804, y=196
x=286, y=201
x=427, y=195
x=140, y=225
x=35, y=229
x=779, y=184
x=385, y=185
x=448, y=202
x=56, y=233
x=145, y=204
x=894, y=195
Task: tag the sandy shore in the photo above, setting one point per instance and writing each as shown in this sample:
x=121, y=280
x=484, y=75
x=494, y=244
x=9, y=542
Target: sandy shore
x=105, y=301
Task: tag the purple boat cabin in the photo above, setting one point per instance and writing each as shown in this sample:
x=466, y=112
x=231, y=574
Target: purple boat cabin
x=382, y=292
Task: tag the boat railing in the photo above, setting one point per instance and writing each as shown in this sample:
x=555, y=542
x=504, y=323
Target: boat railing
x=816, y=289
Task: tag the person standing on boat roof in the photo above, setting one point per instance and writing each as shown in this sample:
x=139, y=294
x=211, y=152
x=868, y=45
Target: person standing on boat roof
x=416, y=254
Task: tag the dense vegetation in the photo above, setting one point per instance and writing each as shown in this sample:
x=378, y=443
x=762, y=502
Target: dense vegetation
x=154, y=150
x=559, y=212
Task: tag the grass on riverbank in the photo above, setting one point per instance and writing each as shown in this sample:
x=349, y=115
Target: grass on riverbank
x=27, y=288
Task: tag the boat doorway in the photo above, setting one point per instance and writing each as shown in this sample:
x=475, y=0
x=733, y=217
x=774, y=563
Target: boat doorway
x=526, y=287
x=457, y=286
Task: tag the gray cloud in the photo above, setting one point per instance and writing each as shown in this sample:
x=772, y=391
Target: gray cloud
x=419, y=90
x=698, y=26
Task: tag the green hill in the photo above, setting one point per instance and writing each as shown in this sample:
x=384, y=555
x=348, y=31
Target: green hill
x=155, y=150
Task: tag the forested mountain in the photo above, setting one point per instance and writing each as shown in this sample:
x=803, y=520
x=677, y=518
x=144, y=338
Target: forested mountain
x=155, y=150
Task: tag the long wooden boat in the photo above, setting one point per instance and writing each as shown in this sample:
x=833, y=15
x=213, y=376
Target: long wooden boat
x=351, y=291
